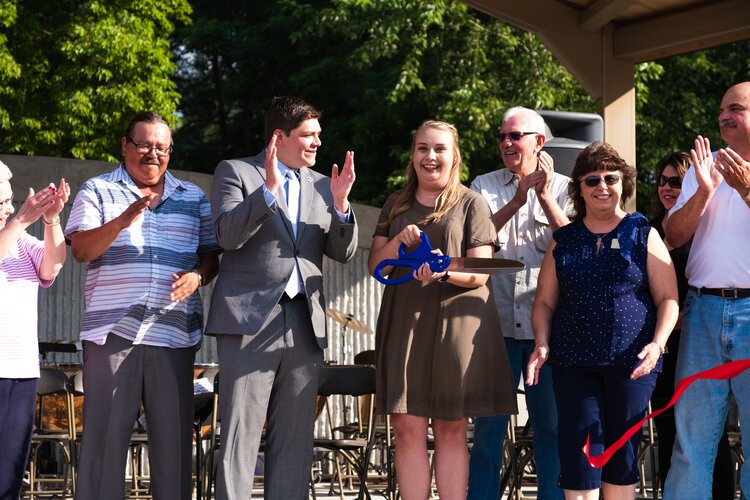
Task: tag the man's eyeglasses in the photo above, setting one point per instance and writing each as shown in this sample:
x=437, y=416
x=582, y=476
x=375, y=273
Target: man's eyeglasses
x=674, y=182
x=594, y=180
x=514, y=136
x=144, y=148
x=6, y=201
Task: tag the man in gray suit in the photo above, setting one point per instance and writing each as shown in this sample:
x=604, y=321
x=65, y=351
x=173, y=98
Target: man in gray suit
x=275, y=219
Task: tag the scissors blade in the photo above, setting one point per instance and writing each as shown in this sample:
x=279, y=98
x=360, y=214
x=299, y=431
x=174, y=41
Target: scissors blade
x=484, y=266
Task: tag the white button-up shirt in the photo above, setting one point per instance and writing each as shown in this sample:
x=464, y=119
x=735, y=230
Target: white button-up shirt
x=525, y=238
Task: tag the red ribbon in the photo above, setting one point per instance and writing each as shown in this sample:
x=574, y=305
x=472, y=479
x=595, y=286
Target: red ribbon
x=721, y=372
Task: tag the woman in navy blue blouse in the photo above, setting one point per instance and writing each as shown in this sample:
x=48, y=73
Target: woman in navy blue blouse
x=605, y=306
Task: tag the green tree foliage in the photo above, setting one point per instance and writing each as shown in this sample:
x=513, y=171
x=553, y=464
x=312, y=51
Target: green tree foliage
x=231, y=62
x=9, y=68
x=376, y=70
x=679, y=98
x=73, y=72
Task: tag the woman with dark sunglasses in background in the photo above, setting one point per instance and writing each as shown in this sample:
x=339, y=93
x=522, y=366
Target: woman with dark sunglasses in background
x=605, y=306
x=668, y=173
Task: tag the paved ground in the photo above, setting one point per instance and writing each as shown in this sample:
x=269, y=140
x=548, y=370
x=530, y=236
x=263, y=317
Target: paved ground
x=527, y=492
x=322, y=492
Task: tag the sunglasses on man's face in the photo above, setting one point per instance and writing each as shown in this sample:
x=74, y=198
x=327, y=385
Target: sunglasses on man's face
x=514, y=136
x=674, y=182
x=594, y=180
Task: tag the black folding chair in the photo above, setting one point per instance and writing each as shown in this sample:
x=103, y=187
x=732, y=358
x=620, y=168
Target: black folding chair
x=52, y=383
x=355, y=443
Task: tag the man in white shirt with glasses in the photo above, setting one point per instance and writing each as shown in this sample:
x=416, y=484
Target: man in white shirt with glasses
x=528, y=200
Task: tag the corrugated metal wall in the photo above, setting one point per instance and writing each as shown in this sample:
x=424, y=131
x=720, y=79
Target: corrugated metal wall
x=349, y=288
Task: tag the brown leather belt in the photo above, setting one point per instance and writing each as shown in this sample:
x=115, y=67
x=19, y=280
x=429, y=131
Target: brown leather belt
x=724, y=293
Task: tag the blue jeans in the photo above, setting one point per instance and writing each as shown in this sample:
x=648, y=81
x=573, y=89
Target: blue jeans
x=714, y=331
x=489, y=433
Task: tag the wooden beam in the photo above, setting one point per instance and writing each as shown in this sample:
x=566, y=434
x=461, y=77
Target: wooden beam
x=556, y=25
x=602, y=12
x=617, y=105
x=549, y=17
x=584, y=63
x=700, y=28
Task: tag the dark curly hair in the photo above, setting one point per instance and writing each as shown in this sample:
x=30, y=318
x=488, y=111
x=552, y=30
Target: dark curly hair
x=680, y=160
x=599, y=157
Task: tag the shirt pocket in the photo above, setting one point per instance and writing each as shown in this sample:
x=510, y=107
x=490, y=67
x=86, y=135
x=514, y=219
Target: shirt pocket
x=502, y=237
x=542, y=230
x=179, y=227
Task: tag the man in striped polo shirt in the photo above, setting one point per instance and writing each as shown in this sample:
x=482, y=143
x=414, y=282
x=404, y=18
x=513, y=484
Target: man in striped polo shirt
x=148, y=243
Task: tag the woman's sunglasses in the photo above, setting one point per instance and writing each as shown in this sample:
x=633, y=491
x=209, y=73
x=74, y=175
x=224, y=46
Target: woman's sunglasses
x=674, y=182
x=594, y=180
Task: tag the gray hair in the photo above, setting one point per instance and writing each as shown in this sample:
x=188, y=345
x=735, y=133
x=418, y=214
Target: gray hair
x=534, y=121
x=5, y=173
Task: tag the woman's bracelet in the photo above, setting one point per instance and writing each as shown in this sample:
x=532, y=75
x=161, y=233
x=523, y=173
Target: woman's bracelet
x=541, y=344
x=662, y=351
x=54, y=222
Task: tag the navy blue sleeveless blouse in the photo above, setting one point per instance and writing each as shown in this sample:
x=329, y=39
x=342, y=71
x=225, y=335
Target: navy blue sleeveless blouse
x=605, y=314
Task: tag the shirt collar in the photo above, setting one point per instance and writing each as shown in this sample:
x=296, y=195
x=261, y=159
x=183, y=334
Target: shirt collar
x=171, y=183
x=283, y=169
x=506, y=176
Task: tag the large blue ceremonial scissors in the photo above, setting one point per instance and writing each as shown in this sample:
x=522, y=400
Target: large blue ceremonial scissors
x=423, y=254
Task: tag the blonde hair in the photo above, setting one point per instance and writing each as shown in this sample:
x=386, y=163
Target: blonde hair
x=5, y=173
x=450, y=195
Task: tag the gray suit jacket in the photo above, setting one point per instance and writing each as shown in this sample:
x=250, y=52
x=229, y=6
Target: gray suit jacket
x=260, y=249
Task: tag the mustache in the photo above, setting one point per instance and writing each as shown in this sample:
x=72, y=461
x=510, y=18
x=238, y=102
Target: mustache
x=727, y=123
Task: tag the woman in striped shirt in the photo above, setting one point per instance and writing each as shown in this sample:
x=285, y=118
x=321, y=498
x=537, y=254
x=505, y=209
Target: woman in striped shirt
x=25, y=264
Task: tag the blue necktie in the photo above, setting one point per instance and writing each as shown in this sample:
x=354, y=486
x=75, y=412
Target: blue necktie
x=294, y=286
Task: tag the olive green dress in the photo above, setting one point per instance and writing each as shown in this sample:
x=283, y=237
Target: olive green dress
x=440, y=351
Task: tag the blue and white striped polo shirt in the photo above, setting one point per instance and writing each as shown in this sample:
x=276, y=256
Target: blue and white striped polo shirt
x=128, y=288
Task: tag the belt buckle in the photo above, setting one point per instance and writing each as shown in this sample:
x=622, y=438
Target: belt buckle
x=728, y=293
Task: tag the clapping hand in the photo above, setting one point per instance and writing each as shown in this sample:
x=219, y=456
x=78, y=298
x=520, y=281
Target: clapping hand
x=58, y=200
x=49, y=201
x=706, y=173
x=530, y=181
x=734, y=169
x=134, y=211
x=546, y=167
x=342, y=182
x=273, y=175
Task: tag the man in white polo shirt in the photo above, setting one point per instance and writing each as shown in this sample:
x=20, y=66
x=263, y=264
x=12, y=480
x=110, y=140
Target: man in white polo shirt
x=529, y=200
x=713, y=209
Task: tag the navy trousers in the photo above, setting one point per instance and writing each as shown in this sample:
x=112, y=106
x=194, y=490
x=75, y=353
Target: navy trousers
x=17, y=404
